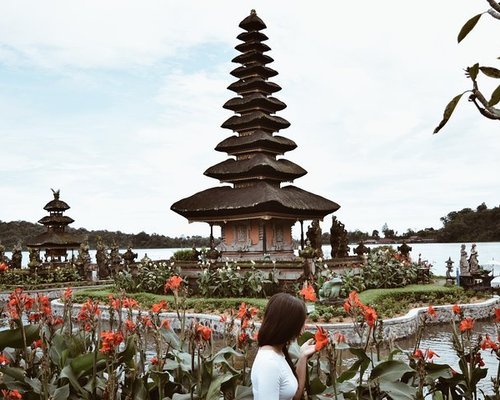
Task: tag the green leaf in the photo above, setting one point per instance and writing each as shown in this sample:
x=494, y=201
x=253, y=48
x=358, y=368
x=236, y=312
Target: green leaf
x=469, y=25
x=398, y=390
x=473, y=71
x=436, y=371
x=316, y=387
x=437, y=395
x=491, y=72
x=17, y=373
x=214, y=388
x=304, y=337
x=495, y=97
x=62, y=393
x=448, y=111
x=391, y=370
x=243, y=393
x=14, y=337
x=139, y=391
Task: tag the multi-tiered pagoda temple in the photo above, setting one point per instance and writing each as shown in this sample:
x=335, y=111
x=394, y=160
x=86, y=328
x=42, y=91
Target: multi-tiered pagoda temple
x=256, y=213
x=56, y=241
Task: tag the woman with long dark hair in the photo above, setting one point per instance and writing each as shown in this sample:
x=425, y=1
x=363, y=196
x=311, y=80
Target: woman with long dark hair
x=274, y=377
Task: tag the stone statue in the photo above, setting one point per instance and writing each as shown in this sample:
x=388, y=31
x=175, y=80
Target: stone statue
x=83, y=260
x=404, y=249
x=129, y=256
x=308, y=265
x=17, y=257
x=115, y=258
x=34, y=259
x=338, y=239
x=361, y=249
x=145, y=259
x=464, y=264
x=102, y=259
x=330, y=290
x=473, y=261
x=314, y=236
x=450, y=280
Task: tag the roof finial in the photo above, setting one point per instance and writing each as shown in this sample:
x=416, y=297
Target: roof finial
x=56, y=193
x=253, y=12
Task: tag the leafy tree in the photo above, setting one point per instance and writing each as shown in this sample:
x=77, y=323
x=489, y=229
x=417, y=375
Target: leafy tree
x=476, y=96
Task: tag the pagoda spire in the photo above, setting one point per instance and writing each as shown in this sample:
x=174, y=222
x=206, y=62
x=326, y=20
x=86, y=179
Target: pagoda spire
x=256, y=145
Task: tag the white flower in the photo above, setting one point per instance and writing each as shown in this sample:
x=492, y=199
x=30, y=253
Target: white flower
x=237, y=267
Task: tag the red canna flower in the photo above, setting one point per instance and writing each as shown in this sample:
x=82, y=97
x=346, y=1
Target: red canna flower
x=145, y=320
x=242, y=339
x=173, y=283
x=37, y=344
x=418, y=354
x=203, y=332
x=154, y=360
x=130, y=303
x=308, y=293
x=3, y=360
x=479, y=360
x=431, y=311
x=370, y=315
x=321, y=338
x=129, y=325
x=3, y=267
x=487, y=343
x=165, y=324
x=497, y=314
x=338, y=338
x=456, y=309
x=429, y=354
x=466, y=325
x=109, y=341
x=67, y=294
x=157, y=307
x=11, y=394
x=352, y=302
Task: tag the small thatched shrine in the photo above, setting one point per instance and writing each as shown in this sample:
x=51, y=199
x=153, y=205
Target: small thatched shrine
x=56, y=241
x=256, y=213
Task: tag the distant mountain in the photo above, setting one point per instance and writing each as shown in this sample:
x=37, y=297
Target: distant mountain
x=15, y=232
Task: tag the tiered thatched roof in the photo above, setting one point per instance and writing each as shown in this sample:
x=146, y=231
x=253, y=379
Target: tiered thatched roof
x=254, y=169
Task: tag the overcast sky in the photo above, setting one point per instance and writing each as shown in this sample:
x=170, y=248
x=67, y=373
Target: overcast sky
x=119, y=104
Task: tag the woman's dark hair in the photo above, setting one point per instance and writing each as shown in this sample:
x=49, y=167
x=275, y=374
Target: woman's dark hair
x=283, y=321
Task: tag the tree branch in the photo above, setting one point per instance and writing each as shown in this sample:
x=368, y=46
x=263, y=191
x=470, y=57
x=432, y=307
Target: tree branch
x=494, y=5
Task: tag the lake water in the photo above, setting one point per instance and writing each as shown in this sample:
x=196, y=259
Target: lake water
x=434, y=253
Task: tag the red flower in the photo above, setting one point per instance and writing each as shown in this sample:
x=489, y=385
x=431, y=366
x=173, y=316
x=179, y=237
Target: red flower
x=223, y=318
x=466, y=325
x=370, y=315
x=3, y=267
x=173, y=283
x=338, y=338
x=110, y=340
x=11, y=394
x=456, y=309
x=242, y=339
x=88, y=313
x=154, y=360
x=3, y=360
x=308, y=293
x=18, y=303
x=431, y=311
x=487, y=343
x=203, y=332
x=429, y=354
x=36, y=344
x=352, y=302
x=130, y=303
x=165, y=324
x=418, y=354
x=497, y=314
x=246, y=314
x=67, y=294
x=321, y=338
x=157, y=307
x=129, y=325
x=479, y=360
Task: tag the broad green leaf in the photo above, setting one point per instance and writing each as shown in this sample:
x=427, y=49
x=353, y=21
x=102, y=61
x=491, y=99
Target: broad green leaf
x=17, y=373
x=436, y=371
x=304, y=337
x=316, y=387
x=61, y=393
x=473, y=71
x=491, y=72
x=437, y=395
x=214, y=388
x=398, y=390
x=495, y=97
x=14, y=337
x=67, y=372
x=448, y=111
x=187, y=396
x=35, y=384
x=243, y=393
x=139, y=391
x=468, y=26
x=391, y=370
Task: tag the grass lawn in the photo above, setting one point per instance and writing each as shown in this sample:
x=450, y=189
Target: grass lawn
x=373, y=295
